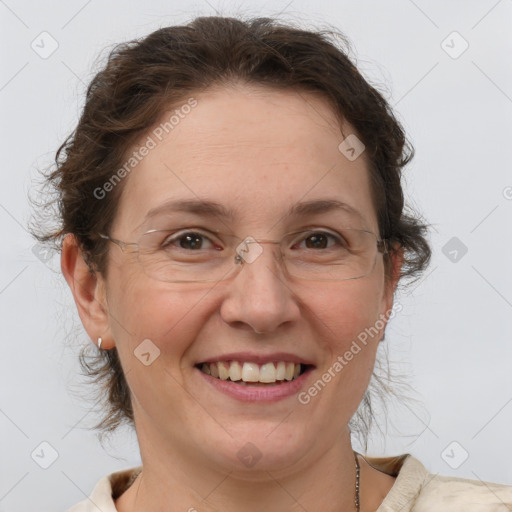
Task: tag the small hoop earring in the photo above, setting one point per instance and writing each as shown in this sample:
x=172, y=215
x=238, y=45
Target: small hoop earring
x=99, y=342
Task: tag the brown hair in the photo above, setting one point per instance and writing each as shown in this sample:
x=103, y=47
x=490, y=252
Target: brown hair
x=143, y=78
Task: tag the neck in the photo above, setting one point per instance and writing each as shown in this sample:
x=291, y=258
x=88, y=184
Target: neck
x=173, y=479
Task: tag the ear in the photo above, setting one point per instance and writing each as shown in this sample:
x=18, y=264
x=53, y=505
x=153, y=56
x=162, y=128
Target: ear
x=391, y=282
x=397, y=260
x=88, y=290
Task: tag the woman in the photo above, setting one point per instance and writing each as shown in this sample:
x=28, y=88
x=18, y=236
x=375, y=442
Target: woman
x=233, y=232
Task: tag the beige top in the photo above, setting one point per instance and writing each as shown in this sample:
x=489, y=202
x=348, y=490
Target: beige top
x=414, y=490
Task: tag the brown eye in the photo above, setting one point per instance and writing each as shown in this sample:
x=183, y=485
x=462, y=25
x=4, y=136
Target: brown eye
x=189, y=240
x=316, y=241
x=192, y=241
x=319, y=240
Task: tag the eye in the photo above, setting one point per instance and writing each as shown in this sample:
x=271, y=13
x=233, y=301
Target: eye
x=321, y=240
x=188, y=240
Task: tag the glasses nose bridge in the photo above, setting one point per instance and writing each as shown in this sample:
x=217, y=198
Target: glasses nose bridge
x=250, y=249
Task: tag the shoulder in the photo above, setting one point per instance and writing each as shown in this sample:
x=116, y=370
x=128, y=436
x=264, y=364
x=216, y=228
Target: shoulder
x=449, y=493
x=418, y=490
x=106, y=491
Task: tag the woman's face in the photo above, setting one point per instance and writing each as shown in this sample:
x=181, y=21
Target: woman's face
x=258, y=153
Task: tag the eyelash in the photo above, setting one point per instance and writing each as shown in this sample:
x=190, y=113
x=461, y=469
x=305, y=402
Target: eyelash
x=176, y=237
x=173, y=238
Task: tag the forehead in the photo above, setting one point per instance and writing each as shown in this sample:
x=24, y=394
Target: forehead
x=256, y=151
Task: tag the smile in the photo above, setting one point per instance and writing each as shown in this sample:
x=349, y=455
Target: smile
x=246, y=372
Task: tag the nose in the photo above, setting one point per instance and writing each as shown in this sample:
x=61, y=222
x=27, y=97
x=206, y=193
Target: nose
x=259, y=297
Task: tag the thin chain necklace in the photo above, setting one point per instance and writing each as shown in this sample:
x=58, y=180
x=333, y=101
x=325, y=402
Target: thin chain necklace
x=358, y=471
x=356, y=499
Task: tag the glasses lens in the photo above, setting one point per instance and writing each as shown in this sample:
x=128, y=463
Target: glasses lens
x=331, y=255
x=198, y=256
x=186, y=255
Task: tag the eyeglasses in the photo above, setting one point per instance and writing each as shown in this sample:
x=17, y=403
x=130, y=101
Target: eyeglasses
x=198, y=255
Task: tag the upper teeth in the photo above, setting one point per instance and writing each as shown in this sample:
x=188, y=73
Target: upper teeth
x=252, y=372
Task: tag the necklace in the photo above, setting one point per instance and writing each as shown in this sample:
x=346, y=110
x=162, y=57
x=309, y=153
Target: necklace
x=356, y=499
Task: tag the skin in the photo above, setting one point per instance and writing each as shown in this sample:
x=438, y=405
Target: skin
x=257, y=151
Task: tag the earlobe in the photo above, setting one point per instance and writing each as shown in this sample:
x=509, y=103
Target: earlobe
x=88, y=289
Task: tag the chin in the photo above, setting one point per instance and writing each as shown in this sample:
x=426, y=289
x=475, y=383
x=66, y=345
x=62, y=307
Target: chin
x=255, y=452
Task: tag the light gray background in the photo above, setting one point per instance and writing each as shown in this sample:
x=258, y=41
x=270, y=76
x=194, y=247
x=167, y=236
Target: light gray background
x=453, y=336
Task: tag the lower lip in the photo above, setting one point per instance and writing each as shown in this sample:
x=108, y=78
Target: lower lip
x=258, y=393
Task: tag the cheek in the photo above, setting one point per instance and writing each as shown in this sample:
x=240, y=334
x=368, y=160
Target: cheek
x=169, y=318
x=343, y=312
x=345, y=327
x=170, y=315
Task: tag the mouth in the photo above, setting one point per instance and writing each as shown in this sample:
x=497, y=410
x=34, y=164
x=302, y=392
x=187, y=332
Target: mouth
x=247, y=373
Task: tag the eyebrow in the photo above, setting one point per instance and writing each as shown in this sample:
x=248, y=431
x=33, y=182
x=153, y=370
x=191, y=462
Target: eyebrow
x=214, y=209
